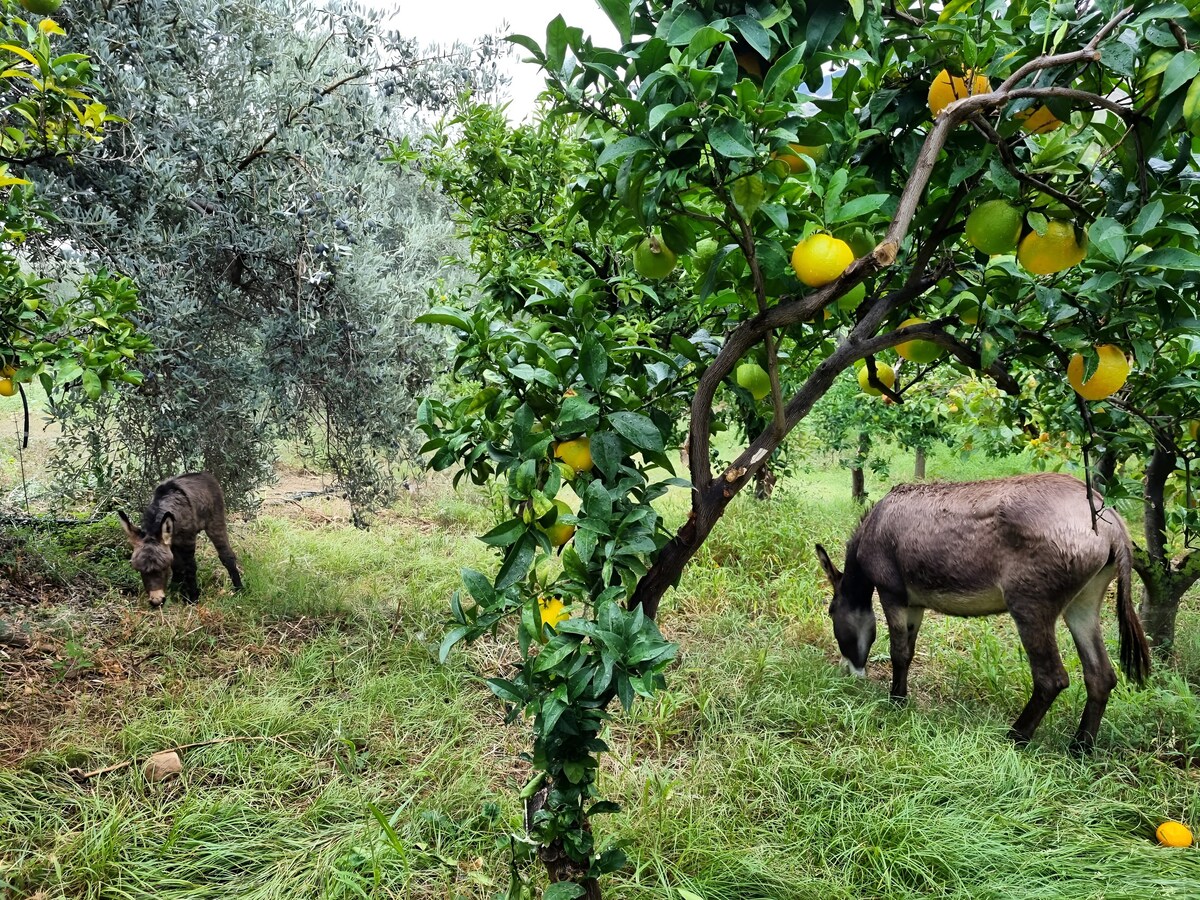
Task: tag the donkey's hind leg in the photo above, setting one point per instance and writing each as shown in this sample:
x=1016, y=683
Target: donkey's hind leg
x=218, y=533
x=1082, y=616
x=1049, y=676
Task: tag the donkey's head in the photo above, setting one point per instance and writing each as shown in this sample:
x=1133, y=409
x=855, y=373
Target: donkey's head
x=853, y=620
x=152, y=555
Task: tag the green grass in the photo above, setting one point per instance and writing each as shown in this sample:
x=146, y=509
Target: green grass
x=761, y=772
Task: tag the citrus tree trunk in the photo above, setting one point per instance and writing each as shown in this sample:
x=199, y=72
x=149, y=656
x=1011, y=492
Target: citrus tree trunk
x=764, y=483
x=1164, y=581
x=919, y=464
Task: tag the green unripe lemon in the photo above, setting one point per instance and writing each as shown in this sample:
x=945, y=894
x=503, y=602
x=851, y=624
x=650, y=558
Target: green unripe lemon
x=754, y=378
x=994, y=227
x=653, y=259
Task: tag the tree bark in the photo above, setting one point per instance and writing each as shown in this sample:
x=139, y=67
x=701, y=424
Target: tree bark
x=764, y=483
x=919, y=464
x=1160, y=598
x=858, y=489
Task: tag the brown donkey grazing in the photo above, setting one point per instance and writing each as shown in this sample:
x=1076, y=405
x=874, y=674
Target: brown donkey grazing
x=1024, y=545
x=180, y=509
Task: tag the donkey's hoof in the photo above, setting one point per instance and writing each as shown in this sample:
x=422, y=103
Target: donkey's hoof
x=1081, y=746
x=1018, y=738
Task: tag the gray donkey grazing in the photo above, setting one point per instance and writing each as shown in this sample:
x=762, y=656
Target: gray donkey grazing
x=1025, y=545
x=180, y=509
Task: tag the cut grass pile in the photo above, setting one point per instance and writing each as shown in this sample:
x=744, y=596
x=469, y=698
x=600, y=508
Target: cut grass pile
x=761, y=773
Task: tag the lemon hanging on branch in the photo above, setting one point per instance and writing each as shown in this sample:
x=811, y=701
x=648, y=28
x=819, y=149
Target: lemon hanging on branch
x=994, y=227
x=754, y=378
x=1109, y=377
x=947, y=88
x=1038, y=121
x=653, y=259
x=1052, y=252
x=575, y=453
x=559, y=532
x=915, y=350
x=820, y=259
x=885, y=373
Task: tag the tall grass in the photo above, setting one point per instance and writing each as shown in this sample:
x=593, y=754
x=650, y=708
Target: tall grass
x=369, y=770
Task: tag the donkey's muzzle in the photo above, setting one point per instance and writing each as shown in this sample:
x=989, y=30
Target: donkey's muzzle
x=157, y=598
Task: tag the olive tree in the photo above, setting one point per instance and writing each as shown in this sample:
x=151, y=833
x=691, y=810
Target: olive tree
x=709, y=124
x=281, y=265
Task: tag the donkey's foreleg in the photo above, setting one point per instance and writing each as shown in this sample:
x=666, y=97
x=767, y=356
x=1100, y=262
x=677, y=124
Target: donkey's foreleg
x=904, y=622
x=185, y=570
x=1082, y=616
x=1049, y=676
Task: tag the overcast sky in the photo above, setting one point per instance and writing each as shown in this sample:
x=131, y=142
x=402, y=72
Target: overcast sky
x=445, y=21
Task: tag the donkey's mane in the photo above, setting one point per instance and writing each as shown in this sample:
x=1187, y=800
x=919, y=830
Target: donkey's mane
x=167, y=499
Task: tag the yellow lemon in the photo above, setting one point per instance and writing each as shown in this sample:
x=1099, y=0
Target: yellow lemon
x=1174, y=834
x=552, y=611
x=1110, y=375
x=947, y=88
x=1194, y=429
x=1057, y=250
x=560, y=532
x=885, y=373
x=576, y=453
x=820, y=259
x=917, y=351
x=7, y=387
x=1038, y=121
x=796, y=162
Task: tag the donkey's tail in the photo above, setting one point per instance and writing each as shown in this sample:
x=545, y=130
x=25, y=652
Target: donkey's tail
x=1134, y=650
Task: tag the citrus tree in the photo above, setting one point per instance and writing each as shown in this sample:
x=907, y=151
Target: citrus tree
x=831, y=164
x=64, y=321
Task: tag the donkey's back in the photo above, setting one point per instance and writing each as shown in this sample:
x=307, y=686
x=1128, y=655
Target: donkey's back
x=971, y=548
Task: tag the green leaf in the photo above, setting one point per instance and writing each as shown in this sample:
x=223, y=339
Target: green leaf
x=704, y=40
x=754, y=33
x=441, y=315
x=1183, y=68
x=479, y=586
x=825, y=23
x=1168, y=258
x=517, y=562
x=453, y=636
x=627, y=146
x=506, y=691
x=556, y=43
x=858, y=207
x=638, y=430
x=618, y=13
x=730, y=138
x=92, y=385
x=607, y=454
x=1191, y=105
x=504, y=534
x=593, y=362
x=563, y=890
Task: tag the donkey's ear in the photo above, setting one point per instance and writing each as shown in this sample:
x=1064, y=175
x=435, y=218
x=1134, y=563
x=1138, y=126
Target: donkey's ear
x=831, y=571
x=134, y=534
x=166, y=529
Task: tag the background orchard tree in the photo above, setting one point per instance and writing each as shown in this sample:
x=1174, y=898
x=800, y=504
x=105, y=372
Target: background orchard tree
x=700, y=130
x=64, y=321
x=281, y=266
